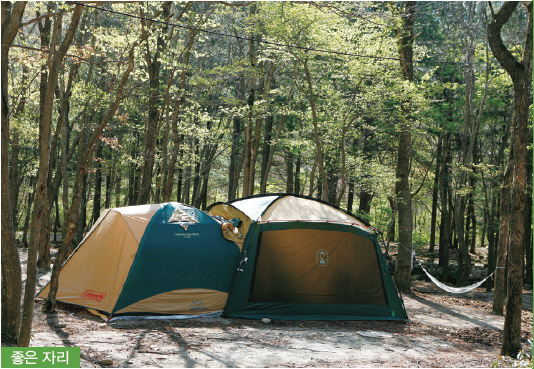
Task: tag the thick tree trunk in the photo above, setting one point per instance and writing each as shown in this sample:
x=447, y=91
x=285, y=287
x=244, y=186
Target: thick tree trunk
x=521, y=74
x=11, y=271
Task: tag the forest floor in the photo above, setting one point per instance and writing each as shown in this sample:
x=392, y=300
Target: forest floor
x=445, y=331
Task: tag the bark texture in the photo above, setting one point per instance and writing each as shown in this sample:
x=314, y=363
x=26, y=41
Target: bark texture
x=11, y=271
x=521, y=74
x=402, y=186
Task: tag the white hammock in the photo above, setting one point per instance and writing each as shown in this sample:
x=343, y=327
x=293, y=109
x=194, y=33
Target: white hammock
x=444, y=286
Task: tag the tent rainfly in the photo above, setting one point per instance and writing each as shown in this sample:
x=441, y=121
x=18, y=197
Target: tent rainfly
x=304, y=259
x=166, y=259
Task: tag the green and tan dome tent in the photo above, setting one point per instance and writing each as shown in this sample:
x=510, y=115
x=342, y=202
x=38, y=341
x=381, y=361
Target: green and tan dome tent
x=304, y=259
x=166, y=259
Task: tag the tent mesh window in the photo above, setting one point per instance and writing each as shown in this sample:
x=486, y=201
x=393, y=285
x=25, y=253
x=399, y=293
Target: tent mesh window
x=318, y=267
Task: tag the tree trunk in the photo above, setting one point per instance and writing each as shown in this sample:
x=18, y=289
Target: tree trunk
x=528, y=221
x=391, y=226
x=297, y=175
x=26, y=227
x=14, y=175
x=445, y=229
x=521, y=74
x=233, y=174
x=350, y=195
x=320, y=161
x=97, y=199
x=402, y=186
x=365, y=202
x=289, y=171
x=490, y=212
x=248, y=176
x=84, y=159
x=471, y=226
x=435, y=194
x=265, y=152
x=178, y=107
x=11, y=271
x=468, y=138
x=44, y=247
x=45, y=124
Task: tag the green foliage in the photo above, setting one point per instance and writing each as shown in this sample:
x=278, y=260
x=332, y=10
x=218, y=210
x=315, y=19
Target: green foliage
x=358, y=99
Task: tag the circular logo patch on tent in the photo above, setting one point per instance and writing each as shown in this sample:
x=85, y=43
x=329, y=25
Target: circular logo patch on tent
x=321, y=258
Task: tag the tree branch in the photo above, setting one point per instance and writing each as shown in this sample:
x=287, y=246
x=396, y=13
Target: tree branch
x=501, y=52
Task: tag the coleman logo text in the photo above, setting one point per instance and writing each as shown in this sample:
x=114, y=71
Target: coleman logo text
x=93, y=295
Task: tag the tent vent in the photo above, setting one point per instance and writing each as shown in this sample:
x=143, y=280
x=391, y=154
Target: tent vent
x=182, y=216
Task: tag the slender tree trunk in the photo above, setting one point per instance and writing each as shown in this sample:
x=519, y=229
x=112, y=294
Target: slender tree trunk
x=320, y=161
x=435, y=194
x=44, y=247
x=178, y=109
x=84, y=159
x=297, y=174
x=248, y=186
x=233, y=174
x=265, y=152
x=469, y=134
x=196, y=175
x=402, y=186
x=471, y=231
x=289, y=172
x=350, y=195
x=186, y=185
x=14, y=175
x=152, y=127
x=26, y=228
x=445, y=229
x=528, y=220
x=45, y=124
x=490, y=229
x=272, y=149
x=391, y=227
x=97, y=199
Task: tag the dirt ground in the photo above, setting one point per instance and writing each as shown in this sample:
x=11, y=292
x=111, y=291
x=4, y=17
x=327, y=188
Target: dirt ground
x=445, y=331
